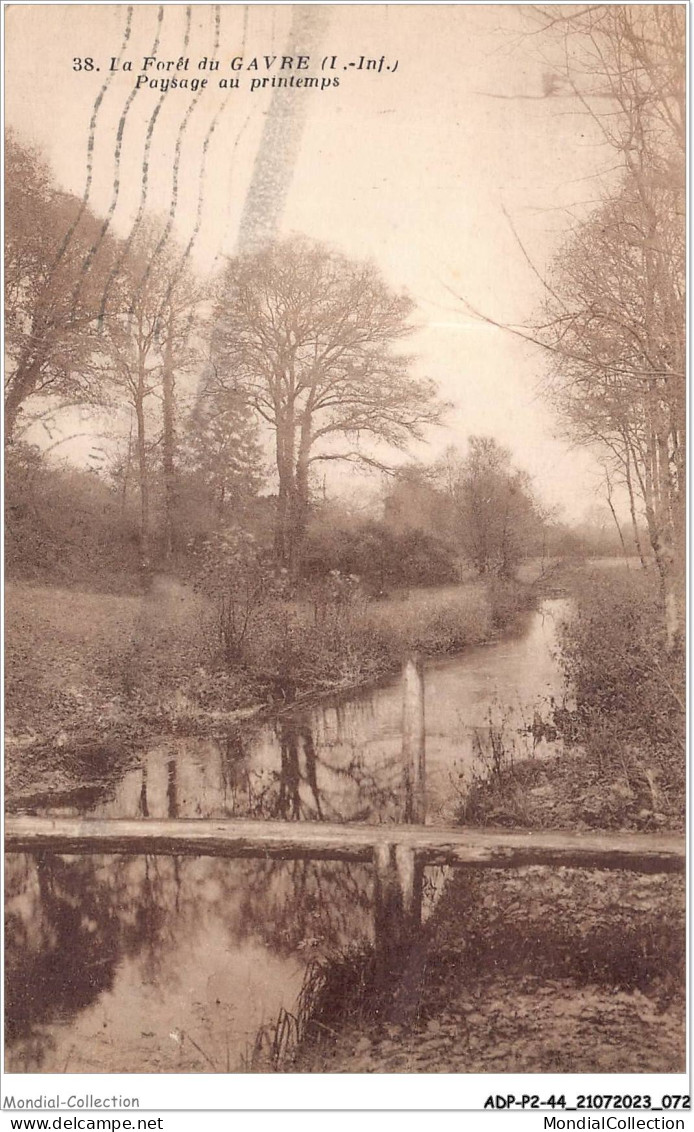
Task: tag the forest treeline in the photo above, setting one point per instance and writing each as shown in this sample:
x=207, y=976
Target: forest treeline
x=224, y=401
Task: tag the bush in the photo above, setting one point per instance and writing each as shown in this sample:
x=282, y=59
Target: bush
x=335, y=635
x=507, y=599
x=629, y=691
x=240, y=580
x=379, y=556
x=66, y=526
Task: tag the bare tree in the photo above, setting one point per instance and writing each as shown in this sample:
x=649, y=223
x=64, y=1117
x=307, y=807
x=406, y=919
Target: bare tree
x=625, y=62
x=496, y=516
x=307, y=335
x=144, y=346
x=614, y=316
x=53, y=288
x=616, y=329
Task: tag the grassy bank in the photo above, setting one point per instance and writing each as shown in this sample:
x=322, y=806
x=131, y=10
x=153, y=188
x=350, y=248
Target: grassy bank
x=87, y=673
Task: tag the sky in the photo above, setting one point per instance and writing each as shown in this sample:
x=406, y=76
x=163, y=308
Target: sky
x=425, y=166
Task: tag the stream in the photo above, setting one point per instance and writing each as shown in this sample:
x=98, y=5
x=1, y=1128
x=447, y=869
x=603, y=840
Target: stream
x=162, y=964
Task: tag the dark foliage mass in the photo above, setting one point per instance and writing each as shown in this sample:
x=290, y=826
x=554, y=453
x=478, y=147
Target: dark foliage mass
x=380, y=556
x=66, y=526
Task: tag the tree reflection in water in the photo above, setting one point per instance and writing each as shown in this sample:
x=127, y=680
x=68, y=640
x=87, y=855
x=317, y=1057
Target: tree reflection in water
x=75, y=924
x=309, y=764
x=316, y=780
x=69, y=922
x=162, y=943
x=298, y=796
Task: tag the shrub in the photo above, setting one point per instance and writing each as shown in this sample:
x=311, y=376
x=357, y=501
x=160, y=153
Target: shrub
x=629, y=691
x=239, y=579
x=381, y=557
x=507, y=599
x=66, y=526
x=333, y=634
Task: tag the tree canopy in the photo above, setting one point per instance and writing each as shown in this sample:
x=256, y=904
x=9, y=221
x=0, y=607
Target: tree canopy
x=308, y=336
x=56, y=266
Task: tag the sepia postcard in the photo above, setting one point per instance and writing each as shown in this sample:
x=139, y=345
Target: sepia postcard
x=345, y=544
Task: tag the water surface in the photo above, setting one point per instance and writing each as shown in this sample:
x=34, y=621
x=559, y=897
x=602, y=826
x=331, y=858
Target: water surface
x=161, y=964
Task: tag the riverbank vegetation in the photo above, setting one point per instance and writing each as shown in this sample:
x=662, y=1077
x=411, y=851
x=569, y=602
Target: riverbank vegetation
x=559, y=968
x=571, y=970
x=578, y=971
x=86, y=670
x=612, y=327
x=621, y=727
x=198, y=565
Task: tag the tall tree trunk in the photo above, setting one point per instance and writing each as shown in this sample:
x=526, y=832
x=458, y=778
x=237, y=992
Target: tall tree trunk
x=666, y=560
x=169, y=443
x=126, y=471
x=143, y=474
x=667, y=543
x=632, y=506
x=13, y=403
x=608, y=484
x=300, y=502
x=284, y=442
x=21, y=386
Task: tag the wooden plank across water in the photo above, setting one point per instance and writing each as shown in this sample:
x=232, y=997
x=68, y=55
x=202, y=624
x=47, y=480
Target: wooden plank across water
x=645, y=853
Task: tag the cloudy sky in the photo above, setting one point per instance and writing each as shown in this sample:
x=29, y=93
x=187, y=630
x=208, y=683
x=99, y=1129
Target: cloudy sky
x=418, y=167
